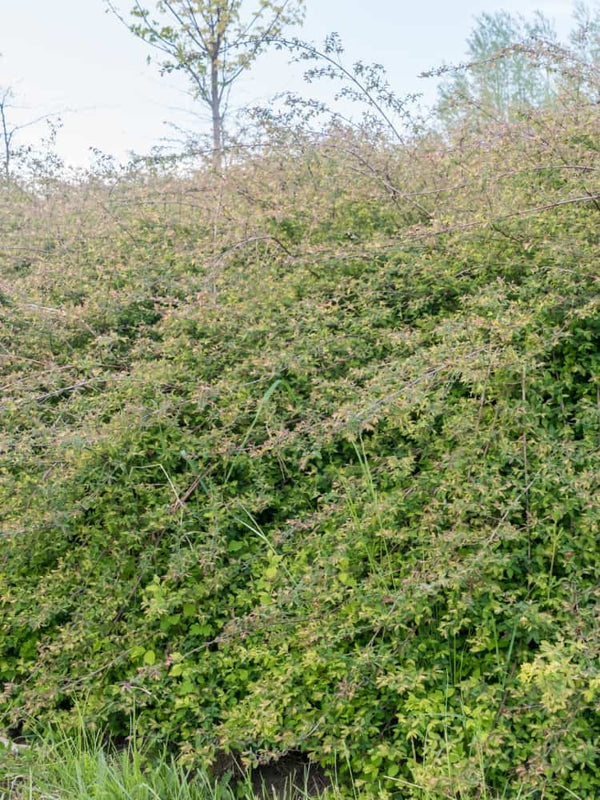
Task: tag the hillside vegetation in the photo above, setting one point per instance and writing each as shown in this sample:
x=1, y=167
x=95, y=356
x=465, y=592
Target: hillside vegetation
x=303, y=458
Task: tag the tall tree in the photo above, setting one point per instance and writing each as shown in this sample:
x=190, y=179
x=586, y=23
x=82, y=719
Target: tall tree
x=213, y=42
x=582, y=75
x=13, y=151
x=585, y=36
x=500, y=77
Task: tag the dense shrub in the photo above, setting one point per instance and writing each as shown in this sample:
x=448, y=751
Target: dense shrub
x=290, y=466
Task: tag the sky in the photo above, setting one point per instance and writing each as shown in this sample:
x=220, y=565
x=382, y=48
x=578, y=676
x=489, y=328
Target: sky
x=71, y=57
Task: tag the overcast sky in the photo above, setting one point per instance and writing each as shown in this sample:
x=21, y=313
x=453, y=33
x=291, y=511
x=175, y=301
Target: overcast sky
x=69, y=55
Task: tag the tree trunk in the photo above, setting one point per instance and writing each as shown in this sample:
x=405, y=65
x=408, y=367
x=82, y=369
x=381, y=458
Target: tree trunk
x=217, y=121
x=6, y=137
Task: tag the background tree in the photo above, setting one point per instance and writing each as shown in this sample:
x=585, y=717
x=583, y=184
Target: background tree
x=213, y=43
x=13, y=150
x=585, y=37
x=583, y=59
x=501, y=78
x=7, y=132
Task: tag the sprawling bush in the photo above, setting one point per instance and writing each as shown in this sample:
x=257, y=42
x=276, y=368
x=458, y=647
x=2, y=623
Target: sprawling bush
x=305, y=457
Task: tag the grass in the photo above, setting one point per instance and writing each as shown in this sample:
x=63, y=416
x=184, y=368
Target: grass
x=59, y=767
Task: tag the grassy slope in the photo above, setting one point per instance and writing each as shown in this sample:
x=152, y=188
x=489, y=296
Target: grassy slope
x=286, y=468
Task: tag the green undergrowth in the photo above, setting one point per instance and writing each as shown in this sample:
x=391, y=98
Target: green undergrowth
x=82, y=767
x=279, y=477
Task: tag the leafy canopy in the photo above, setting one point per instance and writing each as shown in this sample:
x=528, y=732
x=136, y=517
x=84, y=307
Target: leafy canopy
x=213, y=42
x=500, y=79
